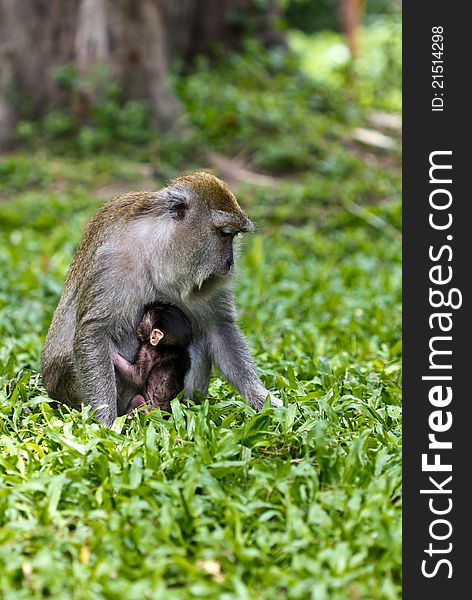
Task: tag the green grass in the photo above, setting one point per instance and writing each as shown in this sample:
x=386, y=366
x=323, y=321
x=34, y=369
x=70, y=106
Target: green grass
x=216, y=501
x=325, y=56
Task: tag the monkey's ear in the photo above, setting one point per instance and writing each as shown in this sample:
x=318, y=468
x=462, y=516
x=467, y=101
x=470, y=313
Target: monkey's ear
x=156, y=336
x=176, y=203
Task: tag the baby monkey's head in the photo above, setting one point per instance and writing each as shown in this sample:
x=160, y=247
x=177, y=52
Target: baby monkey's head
x=165, y=325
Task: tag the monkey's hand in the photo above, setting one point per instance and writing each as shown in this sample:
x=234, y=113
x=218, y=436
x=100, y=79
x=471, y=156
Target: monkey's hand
x=230, y=353
x=257, y=395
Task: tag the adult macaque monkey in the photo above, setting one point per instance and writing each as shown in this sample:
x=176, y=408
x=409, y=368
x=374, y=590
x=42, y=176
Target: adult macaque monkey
x=173, y=246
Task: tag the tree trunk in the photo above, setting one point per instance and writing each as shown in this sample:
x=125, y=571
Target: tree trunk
x=199, y=26
x=352, y=12
x=136, y=39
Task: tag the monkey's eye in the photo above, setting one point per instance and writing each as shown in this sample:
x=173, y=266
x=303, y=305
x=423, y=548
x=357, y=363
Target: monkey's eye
x=226, y=231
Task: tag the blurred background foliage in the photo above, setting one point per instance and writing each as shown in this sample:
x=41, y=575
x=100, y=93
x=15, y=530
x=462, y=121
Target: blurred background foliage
x=216, y=501
x=321, y=15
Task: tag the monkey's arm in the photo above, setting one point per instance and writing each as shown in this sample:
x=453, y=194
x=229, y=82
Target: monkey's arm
x=138, y=372
x=230, y=353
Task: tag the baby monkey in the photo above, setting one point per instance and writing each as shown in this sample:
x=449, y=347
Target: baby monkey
x=162, y=361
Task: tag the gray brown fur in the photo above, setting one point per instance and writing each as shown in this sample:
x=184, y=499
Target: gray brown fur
x=142, y=248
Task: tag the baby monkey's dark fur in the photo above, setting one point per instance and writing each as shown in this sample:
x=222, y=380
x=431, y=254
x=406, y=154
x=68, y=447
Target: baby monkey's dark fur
x=163, y=359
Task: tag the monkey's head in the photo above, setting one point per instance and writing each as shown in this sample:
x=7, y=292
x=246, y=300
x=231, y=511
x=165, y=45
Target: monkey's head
x=207, y=218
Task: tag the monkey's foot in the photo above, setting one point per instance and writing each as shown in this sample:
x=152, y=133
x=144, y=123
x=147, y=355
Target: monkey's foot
x=139, y=402
x=276, y=403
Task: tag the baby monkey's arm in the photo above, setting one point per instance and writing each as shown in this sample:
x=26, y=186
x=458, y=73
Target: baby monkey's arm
x=138, y=372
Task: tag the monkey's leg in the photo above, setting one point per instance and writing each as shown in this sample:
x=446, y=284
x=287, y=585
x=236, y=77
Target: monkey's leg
x=231, y=355
x=198, y=376
x=95, y=372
